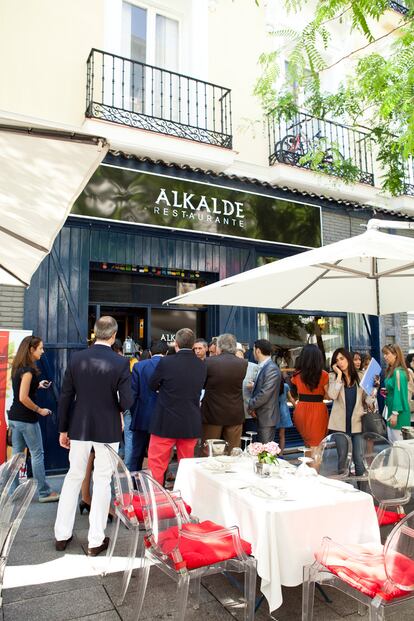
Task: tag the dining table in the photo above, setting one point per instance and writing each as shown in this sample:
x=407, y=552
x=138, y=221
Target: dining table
x=284, y=516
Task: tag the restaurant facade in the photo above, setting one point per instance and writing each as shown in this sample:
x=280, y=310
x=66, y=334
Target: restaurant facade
x=198, y=185
x=142, y=232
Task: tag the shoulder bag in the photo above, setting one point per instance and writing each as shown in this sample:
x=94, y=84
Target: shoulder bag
x=374, y=422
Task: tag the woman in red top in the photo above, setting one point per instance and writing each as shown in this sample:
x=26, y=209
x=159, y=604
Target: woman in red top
x=311, y=381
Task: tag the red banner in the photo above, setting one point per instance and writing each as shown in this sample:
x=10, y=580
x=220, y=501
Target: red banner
x=4, y=364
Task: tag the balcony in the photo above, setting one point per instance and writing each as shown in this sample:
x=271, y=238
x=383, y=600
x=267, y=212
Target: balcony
x=400, y=7
x=134, y=94
x=321, y=145
x=409, y=177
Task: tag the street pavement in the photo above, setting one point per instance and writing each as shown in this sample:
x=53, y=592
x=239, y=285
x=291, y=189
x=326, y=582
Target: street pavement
x=44, y=585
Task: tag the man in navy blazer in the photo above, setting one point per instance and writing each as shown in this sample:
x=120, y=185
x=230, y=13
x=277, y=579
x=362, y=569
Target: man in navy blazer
x=177, y=417
x=264, y=402
x=97, y=383
x=144, y=404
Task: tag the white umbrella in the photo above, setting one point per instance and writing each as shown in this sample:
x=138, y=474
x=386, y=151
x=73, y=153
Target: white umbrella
x=371, y=273
x=42, y=172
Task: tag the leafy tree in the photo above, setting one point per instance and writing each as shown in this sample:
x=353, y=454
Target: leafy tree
x=378, y=96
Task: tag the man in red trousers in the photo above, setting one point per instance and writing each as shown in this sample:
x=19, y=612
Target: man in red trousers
x=176, y=420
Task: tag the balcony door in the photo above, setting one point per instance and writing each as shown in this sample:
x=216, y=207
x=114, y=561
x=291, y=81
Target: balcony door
x=151, y=38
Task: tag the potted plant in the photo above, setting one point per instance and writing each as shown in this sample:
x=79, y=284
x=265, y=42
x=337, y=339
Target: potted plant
x=265, y=455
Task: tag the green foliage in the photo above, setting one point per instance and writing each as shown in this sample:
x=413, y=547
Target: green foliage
x=379, y=94
x=331, y=162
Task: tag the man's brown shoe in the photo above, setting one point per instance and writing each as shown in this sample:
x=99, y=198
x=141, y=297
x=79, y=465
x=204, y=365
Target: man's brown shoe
x=61, y=545
x=99, y=549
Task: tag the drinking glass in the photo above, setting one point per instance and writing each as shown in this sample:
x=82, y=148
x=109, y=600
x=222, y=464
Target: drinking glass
x=304, y=470
x=251, y=434
x=236, y=452
x=245, y=440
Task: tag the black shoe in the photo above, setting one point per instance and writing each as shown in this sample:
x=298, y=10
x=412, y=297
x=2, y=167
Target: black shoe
x=60, y=546
x=99, y=549
x=84, y=506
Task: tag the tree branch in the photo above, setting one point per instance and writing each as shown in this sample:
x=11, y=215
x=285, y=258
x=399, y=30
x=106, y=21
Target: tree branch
x=336, y=16
x=387, y=34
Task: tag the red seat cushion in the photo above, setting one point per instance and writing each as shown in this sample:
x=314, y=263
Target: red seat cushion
x=366, y=571
x=389, y=517
x=165, y=511
x=200, y=553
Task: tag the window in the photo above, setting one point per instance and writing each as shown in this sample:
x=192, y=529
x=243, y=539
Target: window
x=288, y=333
x=151, y=38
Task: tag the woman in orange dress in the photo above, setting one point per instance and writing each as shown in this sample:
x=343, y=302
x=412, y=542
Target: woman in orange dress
x=311, y=381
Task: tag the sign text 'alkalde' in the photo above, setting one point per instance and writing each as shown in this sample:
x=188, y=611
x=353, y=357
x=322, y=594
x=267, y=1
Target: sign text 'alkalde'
x=209, y=209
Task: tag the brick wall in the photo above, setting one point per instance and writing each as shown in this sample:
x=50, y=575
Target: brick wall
x=337, y=225
x=11, y=307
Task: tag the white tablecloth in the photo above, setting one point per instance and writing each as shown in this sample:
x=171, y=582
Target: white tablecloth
x=284, y=533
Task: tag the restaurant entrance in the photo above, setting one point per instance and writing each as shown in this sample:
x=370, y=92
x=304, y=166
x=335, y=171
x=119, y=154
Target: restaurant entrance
x=133, y=295
x=148, y=324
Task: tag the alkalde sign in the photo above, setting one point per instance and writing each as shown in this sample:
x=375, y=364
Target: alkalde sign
x=127, y=195
x=208, y=209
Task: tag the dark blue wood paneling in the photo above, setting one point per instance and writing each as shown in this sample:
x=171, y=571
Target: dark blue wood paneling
x=56, y=304
x=56, y=308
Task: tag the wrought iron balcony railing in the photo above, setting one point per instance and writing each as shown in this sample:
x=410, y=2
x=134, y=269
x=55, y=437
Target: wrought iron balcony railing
x=132, y=93
x=409, y=177
x=318, y=144
x=401, y=6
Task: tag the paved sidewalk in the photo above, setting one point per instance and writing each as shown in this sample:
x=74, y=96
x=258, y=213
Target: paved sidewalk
x=44, y=585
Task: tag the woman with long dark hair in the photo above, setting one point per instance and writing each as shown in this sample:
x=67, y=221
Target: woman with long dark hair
x=348, y=406
x=311, y=380
x=24, y=413
x=396, y=384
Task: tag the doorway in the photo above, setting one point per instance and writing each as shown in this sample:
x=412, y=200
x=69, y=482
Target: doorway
x=132, y=322
x=147, y=324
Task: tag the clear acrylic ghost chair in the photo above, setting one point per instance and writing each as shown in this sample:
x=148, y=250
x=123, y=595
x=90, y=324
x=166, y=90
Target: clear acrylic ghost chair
x=379, y=577
x=216, y=447
x=372, y=445
x=8, y=473
x=388, y=479
x=128, y=510
x=333, y=456
x=188, y=552
x=11, y=514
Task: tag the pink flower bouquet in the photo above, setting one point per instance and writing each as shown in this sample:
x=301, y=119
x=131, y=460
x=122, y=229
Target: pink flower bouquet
x=266, y=453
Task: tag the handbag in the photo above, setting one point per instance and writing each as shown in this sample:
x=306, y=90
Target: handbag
x=374, y=422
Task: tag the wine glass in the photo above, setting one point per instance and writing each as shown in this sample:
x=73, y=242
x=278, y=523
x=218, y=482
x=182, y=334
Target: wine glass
x=251, y=434
x=245, y=441
x=304, y=470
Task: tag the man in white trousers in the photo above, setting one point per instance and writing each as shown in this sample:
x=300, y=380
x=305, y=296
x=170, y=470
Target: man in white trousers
x=96, y=389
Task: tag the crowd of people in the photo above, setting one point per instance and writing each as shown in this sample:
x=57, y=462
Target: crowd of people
x=205, y=391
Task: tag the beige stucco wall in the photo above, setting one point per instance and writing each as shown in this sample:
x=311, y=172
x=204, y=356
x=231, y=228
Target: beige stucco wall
x=236, y=39
x=44, y=45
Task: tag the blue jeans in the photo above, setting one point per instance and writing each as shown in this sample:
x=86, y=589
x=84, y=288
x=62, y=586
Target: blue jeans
x=357, y=453
x=29, y=434
x=136, y=445
x=128, y=439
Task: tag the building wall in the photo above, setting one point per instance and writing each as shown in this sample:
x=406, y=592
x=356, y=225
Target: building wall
x=11, y=307
x=236, y=39
x=44, y=45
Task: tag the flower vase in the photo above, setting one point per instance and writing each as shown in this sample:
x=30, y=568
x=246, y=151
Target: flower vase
x=263, y=469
